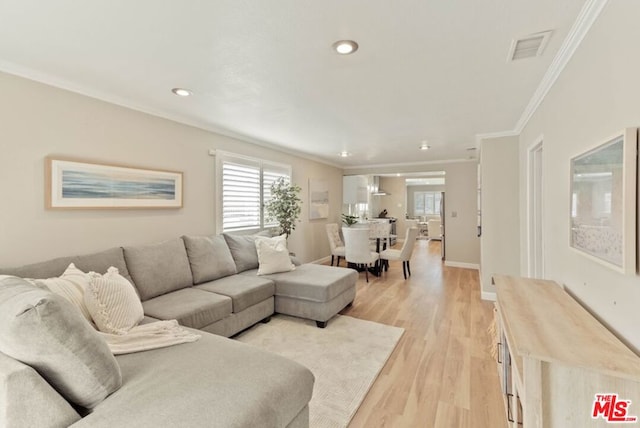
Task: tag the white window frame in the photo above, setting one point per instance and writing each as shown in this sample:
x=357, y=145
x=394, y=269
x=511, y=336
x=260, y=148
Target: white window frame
x=422, y=194
x=262, y=165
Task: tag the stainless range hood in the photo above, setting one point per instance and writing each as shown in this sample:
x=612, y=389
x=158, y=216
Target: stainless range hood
x=376, y=190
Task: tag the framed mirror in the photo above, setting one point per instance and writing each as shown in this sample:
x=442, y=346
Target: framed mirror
x=603, y=202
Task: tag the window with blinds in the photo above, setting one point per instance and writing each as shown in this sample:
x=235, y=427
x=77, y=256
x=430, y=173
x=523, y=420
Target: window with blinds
x=426, y=203
x=244, y=189
x=240, y=196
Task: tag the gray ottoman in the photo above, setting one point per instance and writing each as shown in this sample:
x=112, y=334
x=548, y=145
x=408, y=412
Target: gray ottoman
x=315, y=292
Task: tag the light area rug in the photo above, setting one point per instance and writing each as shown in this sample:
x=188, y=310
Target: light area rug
x=345, y=358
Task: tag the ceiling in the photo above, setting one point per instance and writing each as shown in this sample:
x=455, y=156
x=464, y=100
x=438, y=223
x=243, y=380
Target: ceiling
x=426, y=70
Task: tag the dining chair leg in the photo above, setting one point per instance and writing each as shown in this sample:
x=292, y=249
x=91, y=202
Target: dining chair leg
x=404, y=269
x=409, y=267
x=338, y=264
x=331, y=259
x=366, y=272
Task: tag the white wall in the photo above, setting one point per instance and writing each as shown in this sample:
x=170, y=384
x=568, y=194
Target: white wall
x=500, y=240
x=461, y=241
x=596, y=95
x=39, y=120
x=393, y=201
x=461, y=232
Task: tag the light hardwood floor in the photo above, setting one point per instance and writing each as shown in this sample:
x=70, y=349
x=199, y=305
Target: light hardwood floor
x=441, y=374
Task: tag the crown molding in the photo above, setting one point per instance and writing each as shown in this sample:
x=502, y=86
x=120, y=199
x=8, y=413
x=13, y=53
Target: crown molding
x=589, y=13
x=56, y=82
x=500, y=134
x=396, y=165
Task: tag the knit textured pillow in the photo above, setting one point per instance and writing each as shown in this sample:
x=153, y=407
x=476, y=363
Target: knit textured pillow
x=71, y=285
x=113, y=303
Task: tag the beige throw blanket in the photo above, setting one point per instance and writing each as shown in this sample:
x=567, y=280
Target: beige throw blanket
x=144, y=337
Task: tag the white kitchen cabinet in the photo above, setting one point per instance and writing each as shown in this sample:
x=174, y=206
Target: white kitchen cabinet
x=354, y=189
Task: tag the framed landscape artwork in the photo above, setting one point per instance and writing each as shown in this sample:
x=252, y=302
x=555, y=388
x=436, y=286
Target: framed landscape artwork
x=72, y=184
x=318, y=199
x=603, y=202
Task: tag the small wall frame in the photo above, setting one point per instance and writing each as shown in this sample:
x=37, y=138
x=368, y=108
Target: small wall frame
x=603, y=202
x=318, y=199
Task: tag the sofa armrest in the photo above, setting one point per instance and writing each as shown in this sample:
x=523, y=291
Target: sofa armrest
x=27, y=400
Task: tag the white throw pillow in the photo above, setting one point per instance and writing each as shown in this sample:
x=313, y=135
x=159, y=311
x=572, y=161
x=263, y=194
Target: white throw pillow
x=71, y=285
x=273, y=255
x=113, y=303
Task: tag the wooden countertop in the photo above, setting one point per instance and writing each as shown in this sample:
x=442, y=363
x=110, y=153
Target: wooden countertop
x=544, y=322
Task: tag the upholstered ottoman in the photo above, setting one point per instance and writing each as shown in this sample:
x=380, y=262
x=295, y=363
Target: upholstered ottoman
x=311, y=291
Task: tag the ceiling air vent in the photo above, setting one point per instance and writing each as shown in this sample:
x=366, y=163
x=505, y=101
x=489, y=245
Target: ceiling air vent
x=529, y=46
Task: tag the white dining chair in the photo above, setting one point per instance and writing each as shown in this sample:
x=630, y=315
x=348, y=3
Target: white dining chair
x=379, y=238
x=403, y=254
x=335, y=242
x=411, y=223
x=356, y=245
x=380, y=232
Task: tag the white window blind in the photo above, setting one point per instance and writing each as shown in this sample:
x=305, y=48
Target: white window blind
x=426, y=203
x=240, y=196
x=244, y=188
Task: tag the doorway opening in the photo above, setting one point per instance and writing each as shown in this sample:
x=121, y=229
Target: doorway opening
x=425, y=202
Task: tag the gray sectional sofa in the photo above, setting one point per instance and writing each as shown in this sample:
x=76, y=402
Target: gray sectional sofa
x=208, y=283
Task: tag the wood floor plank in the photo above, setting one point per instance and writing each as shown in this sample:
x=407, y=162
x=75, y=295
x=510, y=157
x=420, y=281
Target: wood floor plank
x=450, y=416
x=442, y=373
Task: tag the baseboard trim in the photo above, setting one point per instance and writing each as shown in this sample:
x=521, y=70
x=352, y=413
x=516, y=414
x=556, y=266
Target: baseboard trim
x=322, y=260
x=488, y=295
x=450, y=263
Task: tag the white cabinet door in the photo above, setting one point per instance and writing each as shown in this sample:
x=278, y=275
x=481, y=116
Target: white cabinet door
x=354, y=189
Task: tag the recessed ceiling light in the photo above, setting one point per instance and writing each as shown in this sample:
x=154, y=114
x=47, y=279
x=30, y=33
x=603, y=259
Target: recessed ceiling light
x=345, y=47
x=345, y=154
x=424, y=146
x=181, y=92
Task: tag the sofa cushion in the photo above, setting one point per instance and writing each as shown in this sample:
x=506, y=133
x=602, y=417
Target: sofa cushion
x=45, y=331
x=96, y=262
x=191, y=307
x=209, y=257
x=159, y=268
x=22, y=384
x=243, y=250
x=316, y=283
x=212, y=382
x=243, y=290
x=114, y=305
x=273, y=255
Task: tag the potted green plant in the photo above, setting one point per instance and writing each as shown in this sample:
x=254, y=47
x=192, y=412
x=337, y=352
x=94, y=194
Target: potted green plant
x=349, y=220
x=284, y=205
